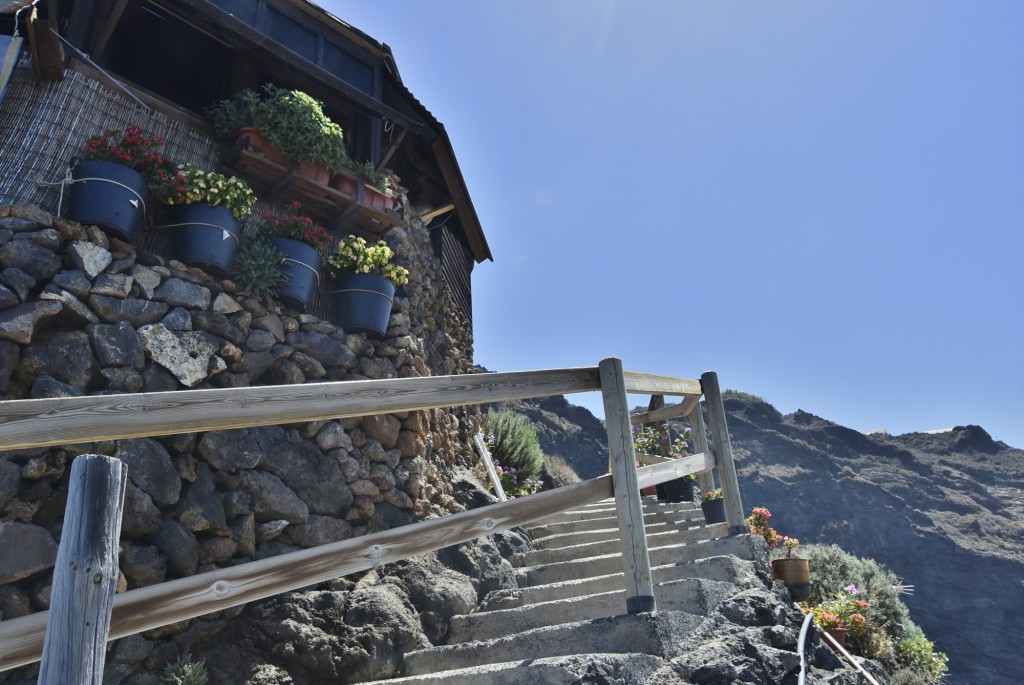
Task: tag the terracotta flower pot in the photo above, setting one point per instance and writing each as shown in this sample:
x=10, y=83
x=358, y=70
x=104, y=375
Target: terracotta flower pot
x=838, y=634
x=258, y=143
x=315, y=173
x=796, y=574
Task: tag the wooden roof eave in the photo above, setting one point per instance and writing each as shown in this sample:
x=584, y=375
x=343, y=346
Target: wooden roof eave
x=239, y=31
x=445, y=155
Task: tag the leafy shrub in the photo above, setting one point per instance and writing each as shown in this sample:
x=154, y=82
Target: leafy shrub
x=515, y=484
x=907, y=676
x=557, y=472
x=919, y=654
x=512, y=440
x=184, y=671
x=258, y=269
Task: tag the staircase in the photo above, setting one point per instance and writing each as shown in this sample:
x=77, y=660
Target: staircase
x=568, y=612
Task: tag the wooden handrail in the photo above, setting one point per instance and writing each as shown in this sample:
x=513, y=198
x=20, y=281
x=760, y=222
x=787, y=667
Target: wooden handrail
x=672, y=411
x=46, y=422
x=60, y=421
x=21, y=639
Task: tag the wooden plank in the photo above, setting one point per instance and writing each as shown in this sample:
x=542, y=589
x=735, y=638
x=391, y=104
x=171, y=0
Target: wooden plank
x=485, y=455
x=672, y=411
x=100, y=43
x=47, y=52
x=670, y=469
x=649, y=384
x=44, y=422
x=85, y=574
x=723, y=454
x=21, y=639
x=628, y=506
x=706, y=479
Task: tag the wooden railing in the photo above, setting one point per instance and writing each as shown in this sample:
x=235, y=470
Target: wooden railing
x=45, y=422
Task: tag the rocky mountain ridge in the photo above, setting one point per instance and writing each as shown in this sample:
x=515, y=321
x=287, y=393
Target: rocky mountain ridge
x=944, y=511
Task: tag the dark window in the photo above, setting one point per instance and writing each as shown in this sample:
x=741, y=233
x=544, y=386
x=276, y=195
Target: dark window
x=290, y=34
x=170, y=58
x=348, y=68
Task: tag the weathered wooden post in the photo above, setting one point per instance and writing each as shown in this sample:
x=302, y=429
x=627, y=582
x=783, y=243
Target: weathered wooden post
x=485, y=454
x=723, y=453
x=706, y=479
x=622, y=458
x=85, y=575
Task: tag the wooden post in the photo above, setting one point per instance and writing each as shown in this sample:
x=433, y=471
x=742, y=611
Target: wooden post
x=85, y=575
x=657, y=402
x=698, y=433
x=485, y=454
x=622, y=458
x=723, y=453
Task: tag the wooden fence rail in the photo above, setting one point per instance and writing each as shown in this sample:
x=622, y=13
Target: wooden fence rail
x=38, y=423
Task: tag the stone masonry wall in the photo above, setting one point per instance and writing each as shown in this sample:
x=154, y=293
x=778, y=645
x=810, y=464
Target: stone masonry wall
x=81, y=314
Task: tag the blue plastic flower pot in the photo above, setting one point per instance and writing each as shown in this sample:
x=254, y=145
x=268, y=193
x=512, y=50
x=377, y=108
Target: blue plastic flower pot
x=204, y=235
x=302, y=265
x=108, y=195
x=361, y=303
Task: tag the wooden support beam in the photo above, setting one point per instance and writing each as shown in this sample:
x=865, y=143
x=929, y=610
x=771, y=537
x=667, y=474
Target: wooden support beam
x=85, y=575
x=649, y=384
x=47, y=52
x=485, y=454
x=698, y=433
x=723, y=454
x=66, y=420
x=21, y=639
x=100, y=44
x=672, y=411
x=670, y=469
x=392, y=149
x=629, y=510
x=427, y=217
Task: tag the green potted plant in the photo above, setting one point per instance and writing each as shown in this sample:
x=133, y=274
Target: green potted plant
x=377, y=194
x=234, y=122
x=112, y=180
x=302, y=242
x=205, y=210
x=295, y=123
x=713, y=505
x=259, y=268
x=793, y=571
x=365, y=278
x=842, y=615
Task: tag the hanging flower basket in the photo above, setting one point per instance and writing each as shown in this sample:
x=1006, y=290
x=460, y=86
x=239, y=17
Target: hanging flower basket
x=109, y=195
x=361, y=303
x=204, y=235
x=303, y=267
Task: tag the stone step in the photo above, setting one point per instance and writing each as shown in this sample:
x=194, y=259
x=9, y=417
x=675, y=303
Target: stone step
x=742, y=546
x=692, y=595
x=666, y=515
x=606, y=508
x=657, y=536
x=561, y=670
x=721, y=568
x=647, y=633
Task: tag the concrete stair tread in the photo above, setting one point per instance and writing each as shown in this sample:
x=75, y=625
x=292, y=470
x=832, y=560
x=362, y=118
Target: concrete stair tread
x=611, y=522
x=741, y=546
x=720, y=567
x=611, y=545
x=632, y=667
x=692, y=595
x=643, y=633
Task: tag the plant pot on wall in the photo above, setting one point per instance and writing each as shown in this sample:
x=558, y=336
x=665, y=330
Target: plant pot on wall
x=796, y=574
x=255, y=141
x=361, y=303
x=204, y=235
x=108, y=195
x=378, y=199
x=714, y=510
x=303, y=267
x=838, y=634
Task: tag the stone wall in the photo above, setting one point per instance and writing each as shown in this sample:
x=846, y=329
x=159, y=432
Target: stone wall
x=81, y=314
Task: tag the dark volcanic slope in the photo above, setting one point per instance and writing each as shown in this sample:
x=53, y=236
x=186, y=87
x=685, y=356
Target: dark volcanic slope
x=944, y=511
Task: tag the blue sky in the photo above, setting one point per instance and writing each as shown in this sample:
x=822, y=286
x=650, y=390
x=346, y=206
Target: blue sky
x=821, y=201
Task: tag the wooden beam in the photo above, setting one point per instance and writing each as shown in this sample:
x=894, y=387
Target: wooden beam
x=100, y=44
x=672, y=411
x=649, y=384
x=670, y=469
x=427, y=217
x=485, y=455
x=628, y=506
x=392, y=149
x=57, y=421
x=85, y=574
x=723, y=454
x=21, y=639
x=47, y=52
x=698, y=434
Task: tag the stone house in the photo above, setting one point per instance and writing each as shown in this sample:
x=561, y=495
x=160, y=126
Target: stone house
x=82, y=313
